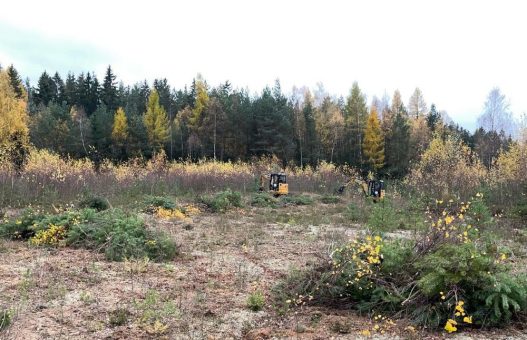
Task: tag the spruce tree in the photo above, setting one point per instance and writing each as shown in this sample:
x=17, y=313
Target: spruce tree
x=109, y=91
x=15, y=81
x=397, y=146
x=356, y=116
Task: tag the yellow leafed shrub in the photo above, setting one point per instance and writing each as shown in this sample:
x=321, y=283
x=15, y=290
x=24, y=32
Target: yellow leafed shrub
x=446, y=168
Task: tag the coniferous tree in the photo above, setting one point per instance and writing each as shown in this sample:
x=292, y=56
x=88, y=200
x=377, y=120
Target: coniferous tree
x=101, y=123
x=70, y=90
x=60, y=86
x=46, y=90
x=373, y=145
x=433, y=118
x=109, y=95
x=417, y=105
x=14, y=139
x=356, y=116
x=15, y=81
x=156, y=122
x=310, y=130
x=397, y=147
x=120, y=127
x=50, y=127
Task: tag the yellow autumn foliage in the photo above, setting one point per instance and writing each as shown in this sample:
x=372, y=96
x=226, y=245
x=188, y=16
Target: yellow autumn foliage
x=447, y=168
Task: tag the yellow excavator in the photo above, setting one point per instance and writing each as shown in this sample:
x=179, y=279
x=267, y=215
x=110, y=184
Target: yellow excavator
x=276, y=183
x=370, y=188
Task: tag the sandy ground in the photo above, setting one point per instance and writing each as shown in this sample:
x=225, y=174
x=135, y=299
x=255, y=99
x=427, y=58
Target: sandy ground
x=74, y=294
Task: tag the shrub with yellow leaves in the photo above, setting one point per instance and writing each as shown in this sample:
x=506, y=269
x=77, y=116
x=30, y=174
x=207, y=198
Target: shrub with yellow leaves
x=53, y=236
x=403, y=277
x=446, y=168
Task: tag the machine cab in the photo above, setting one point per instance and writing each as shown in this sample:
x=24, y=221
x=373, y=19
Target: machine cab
x=278, y=183
x=376, y=189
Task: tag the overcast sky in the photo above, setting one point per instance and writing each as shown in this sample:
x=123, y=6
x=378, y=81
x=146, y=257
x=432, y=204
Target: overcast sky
x=454, y=51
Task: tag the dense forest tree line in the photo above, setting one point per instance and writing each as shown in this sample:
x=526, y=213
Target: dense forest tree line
x=81, y=117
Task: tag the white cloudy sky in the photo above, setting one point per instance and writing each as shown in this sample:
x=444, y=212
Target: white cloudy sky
x=455, y=51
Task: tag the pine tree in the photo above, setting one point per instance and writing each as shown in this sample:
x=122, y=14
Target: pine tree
x=373, y=145
x=156, y=122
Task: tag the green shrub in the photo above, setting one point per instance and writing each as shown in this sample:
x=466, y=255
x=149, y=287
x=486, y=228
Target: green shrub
x=297, y=200
x=263, y=200
x=383, y=217
x=21, y=227
x=118, y=317
x=448, y=268
x=256, y=301
x=355, y=213
x=329, y=199
x=5, y=318
x=121, y=236
x=521, y=209
x=154, y=307
x=223, y=200
x=94, y=202
x=153, y=202
x=480, y=213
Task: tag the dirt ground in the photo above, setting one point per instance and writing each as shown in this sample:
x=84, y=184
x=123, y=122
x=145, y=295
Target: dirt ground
x=76, y=294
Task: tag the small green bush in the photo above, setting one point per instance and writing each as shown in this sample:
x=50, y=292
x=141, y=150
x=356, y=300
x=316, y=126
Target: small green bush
x=480, y=213
x=355, y=213
x=521, y=209
x=297, y=200
x=383, y=217
x=121, y=236
x=94, y=202
x=263, y=200
x=118, y=317
x=223, y=200
x=5, y=318
x=330, y=199
x=153, y=202
x=450, y=264
x=21, y=227
x=256, y=301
